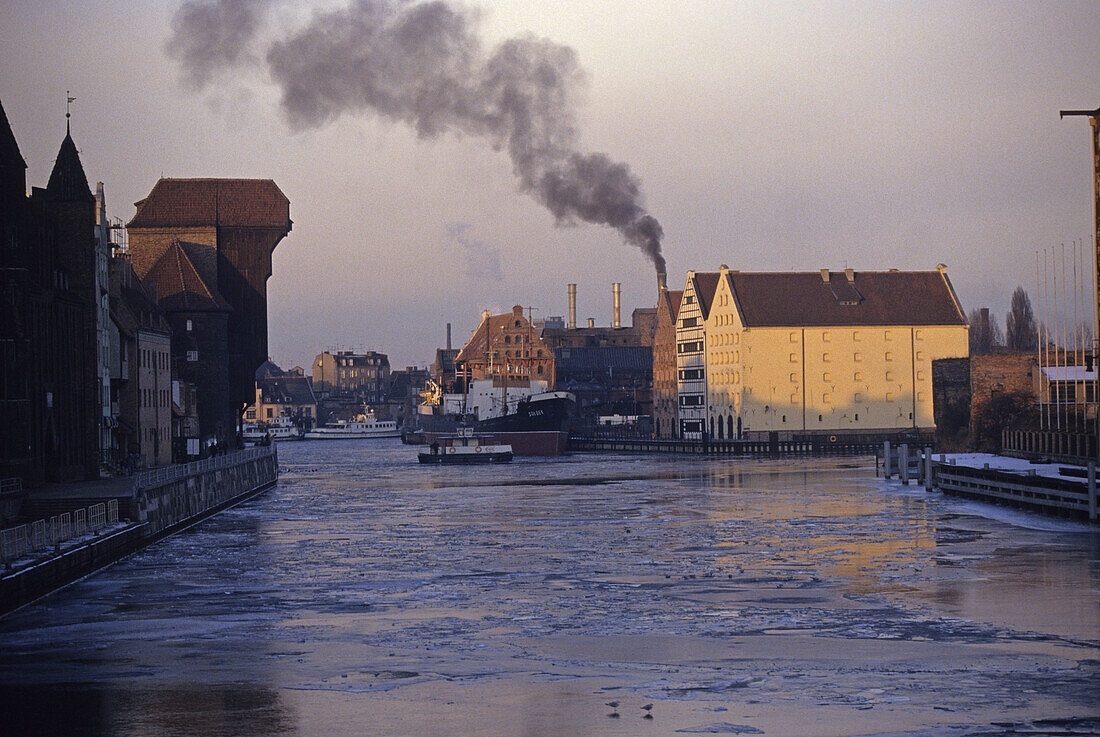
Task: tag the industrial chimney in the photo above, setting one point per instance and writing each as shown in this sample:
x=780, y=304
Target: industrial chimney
x=616, y=299
x=448, y=336
x=662, y=282
x=572, y=325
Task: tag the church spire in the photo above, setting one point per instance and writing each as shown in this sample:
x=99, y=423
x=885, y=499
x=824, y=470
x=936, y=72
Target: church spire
x=68, y=183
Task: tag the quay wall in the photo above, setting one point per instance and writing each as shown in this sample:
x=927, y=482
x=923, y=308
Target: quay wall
x=157, y=504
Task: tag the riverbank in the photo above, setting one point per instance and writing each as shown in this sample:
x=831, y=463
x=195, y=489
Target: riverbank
x=81, y=528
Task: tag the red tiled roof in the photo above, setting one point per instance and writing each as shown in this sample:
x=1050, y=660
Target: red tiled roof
x=181, y=286
x=871, y=298
x=224, y=202
x=475, y=349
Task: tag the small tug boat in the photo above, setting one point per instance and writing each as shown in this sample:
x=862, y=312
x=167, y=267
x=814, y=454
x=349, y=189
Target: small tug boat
x=465, y=447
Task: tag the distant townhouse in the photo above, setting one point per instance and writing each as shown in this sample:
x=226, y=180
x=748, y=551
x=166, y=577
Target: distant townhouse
x=813, y=352
x=362, y=377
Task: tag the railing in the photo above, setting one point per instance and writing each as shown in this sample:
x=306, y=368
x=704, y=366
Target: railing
x=41, y=535
x=159, y=476
x=1059, y=445
x=824, y=445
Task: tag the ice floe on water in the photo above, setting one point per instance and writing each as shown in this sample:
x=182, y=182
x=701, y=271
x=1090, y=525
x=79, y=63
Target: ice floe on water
x=368, y=594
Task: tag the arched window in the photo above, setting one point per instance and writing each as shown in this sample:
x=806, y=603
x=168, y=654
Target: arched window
x=721, y=428
x=729, y=426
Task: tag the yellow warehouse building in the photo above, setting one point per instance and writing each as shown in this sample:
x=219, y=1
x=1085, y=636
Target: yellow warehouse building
x=813, y=352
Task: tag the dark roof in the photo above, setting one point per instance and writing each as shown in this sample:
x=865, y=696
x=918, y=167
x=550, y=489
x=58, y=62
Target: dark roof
x=705, y=284
x=870, y=298
x=603, y=358
x=672, y=301
x=287, y=390
x=132, y=307
x=9, y=148
x=268, y=369
x=181, y=287
x=68, y=182
x=257, y=203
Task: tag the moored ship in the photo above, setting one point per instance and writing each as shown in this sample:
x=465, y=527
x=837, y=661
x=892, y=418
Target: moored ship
x=363, y=426
x=509, y=411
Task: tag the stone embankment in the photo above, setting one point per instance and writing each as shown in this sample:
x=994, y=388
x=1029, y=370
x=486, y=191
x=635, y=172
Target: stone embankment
x=85, y=527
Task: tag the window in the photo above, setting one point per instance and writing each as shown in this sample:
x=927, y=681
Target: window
x=857, y=356
x=855, y=336
x=826, y=377
x=918, y=334
x=888, y=335
x=889, y=356
x=691, y=374
x=689, y=322
x=825, y=358
x=794, y=358
x=190, y=326
x=689, y=299
x=691, y=400
x=794, y=378
x=192, y=356
x=889, y=375
x=857, y=397
x=794, y=337
x=825, y=337
x=270, y=412
x=690, y=347
x=826, y=398
x=920, y=355
x=858, y=376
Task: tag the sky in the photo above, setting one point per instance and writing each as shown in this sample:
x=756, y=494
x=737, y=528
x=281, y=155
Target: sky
x=768, y=136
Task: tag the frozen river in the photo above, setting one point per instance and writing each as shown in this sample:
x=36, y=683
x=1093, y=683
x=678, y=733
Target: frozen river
x=367, y=595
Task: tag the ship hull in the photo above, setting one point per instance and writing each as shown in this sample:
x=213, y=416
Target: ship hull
x=537, y=428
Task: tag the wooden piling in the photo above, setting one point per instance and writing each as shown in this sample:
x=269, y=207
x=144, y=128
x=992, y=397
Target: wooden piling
x=886, y=471
x=903, y=463
x=1092, y=490
x=928, y=469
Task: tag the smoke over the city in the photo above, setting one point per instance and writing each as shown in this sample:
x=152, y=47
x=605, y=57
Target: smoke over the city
x=422, y=63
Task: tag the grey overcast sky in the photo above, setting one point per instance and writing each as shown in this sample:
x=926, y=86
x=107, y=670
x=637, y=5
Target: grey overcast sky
x=765, y=135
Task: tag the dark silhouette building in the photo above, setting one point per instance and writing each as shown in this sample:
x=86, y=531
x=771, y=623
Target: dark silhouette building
x=221, y=233
x=48, y=384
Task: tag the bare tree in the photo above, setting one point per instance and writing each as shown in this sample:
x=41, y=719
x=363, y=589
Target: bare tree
x=985, y=333
x=1020, y=331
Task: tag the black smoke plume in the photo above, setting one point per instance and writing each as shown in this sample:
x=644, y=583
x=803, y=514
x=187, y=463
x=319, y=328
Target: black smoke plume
x=422, y=63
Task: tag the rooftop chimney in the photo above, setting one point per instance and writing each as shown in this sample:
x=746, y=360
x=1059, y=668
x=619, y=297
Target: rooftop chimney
x=825, y=275
x=851, y=274
x=591, y=322
x=572, y=307
x=616, y=299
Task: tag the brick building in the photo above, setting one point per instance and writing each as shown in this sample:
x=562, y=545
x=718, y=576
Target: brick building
x=506, y=345
x=363, y=378
x=221, y=232
x=48, y=320
x=665, y=422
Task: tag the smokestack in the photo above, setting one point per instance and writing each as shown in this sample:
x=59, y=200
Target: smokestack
x=616, y=298
x=572, y=307
x=662, y=282
x=591, y=322
x=448, y=336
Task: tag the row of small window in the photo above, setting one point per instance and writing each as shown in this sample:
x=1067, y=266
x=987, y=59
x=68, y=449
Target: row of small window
x=152, y=432
x=857, y=335
x=154, y=397
x=857, y=357
x=693, y=346
x=519, y=339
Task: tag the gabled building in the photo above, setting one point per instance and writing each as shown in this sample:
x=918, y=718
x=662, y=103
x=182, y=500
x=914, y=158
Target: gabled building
x=814, y=352
x=141, y=379
x=506, y=346
x=48, y=339
x=362, y=378
x=184, y=277
x=231, y=226
x=691, y=383
x=665, y=414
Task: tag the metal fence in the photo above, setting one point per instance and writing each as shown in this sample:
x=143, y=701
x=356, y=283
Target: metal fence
x=159, y=476
x=43, y=535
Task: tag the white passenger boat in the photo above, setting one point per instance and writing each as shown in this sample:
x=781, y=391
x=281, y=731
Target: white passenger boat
x=465, y=447
x=363, y=426
x=279, y=428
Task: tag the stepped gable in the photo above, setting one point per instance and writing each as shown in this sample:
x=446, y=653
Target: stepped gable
x=68, y=183
x=806, y=299
x=181, y=285
x=246, y=203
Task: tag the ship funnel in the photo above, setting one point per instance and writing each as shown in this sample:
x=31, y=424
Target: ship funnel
x=616, y=300
x=572, y=307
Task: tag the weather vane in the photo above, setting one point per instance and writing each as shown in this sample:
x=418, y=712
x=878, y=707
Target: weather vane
x=69, y=100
